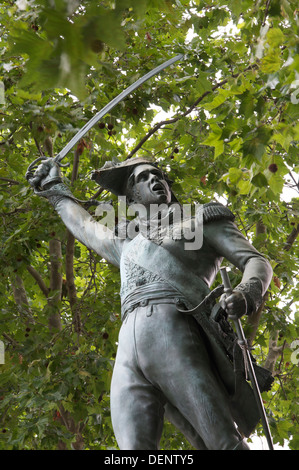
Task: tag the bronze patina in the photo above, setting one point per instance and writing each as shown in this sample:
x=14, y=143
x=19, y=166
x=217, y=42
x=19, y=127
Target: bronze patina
x=177, y=356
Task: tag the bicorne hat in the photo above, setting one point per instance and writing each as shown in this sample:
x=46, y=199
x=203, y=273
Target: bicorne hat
x=113, y=176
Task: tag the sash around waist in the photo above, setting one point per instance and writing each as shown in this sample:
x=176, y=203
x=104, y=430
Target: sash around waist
x=155, y=290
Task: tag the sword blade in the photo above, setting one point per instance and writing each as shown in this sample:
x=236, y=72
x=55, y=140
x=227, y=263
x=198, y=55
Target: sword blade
x=60, y=156
x=254, y=383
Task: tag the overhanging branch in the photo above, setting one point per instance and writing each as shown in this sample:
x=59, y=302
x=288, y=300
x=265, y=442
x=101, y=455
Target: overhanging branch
x=39, y=280
x=187, y=112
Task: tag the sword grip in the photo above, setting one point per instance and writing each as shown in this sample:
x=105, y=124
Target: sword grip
x=226, y=282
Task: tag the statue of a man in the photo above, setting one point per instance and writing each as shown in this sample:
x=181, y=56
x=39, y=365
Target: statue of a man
x=169, y=363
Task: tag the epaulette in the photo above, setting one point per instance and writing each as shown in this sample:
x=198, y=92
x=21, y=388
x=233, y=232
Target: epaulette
x=215, y=211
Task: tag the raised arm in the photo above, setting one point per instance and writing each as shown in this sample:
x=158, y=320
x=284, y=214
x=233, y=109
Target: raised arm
x=47, y=182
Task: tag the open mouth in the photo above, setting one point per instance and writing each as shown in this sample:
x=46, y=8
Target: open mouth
x=158, y=187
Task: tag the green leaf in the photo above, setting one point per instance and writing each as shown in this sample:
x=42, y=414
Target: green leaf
x=203, y=84
x=235, y=174
x=275, y=37
x=219, y=99
x=253, y=147
x=244, y=186
x=219, y=148
x=276, y=183
x=260, y=180
x=213, y=140
x=247, y=104
x=271, y=62
x=236, y=144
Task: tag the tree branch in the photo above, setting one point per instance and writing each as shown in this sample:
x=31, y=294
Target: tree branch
x=9, y=181
x=274, y=353
x=296, y=183
x=187, y=112
x=266, y=12
x=73, y=427
x=39, y=280
x=21, y=299
x=97, y=194
x=38, y=147
x=291, y=238
x=9, y=339
x=254, y=320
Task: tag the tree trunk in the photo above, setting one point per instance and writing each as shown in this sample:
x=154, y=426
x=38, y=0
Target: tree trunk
x=70, y=280
x=54, y=299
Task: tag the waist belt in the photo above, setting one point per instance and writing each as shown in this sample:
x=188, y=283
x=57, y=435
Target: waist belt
x=143, y=303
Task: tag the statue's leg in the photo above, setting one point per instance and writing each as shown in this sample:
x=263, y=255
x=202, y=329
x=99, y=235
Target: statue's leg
x=137, y=407
x=173, y=415
x=173, y=354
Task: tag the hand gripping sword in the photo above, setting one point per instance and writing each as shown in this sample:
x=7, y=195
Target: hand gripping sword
x=244, y=345
x=60, y=156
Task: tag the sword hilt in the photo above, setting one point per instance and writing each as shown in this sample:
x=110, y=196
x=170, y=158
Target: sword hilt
x=226, y=281
x=30, y=173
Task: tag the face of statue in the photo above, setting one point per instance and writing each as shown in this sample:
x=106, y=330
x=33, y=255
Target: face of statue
x=148, y=186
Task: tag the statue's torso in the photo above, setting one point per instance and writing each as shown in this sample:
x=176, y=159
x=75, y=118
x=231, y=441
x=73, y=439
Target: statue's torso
x=145, y=274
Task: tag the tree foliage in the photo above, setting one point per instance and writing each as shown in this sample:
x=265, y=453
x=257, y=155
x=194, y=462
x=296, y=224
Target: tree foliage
x=230, y=133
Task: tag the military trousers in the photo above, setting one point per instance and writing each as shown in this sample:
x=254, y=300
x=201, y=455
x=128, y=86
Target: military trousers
x=162, y=358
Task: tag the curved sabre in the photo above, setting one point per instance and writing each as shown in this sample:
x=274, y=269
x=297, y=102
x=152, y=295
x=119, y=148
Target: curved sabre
x=59, y=157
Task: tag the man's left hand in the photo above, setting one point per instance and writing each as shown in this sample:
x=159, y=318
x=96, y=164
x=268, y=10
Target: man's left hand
x=234, y=304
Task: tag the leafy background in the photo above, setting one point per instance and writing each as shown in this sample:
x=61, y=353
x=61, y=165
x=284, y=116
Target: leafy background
x=223, y=122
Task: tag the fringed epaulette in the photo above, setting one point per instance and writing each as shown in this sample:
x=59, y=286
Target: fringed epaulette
x=215, y=211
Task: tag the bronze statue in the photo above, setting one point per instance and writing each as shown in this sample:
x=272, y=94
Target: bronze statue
x=173, y=359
